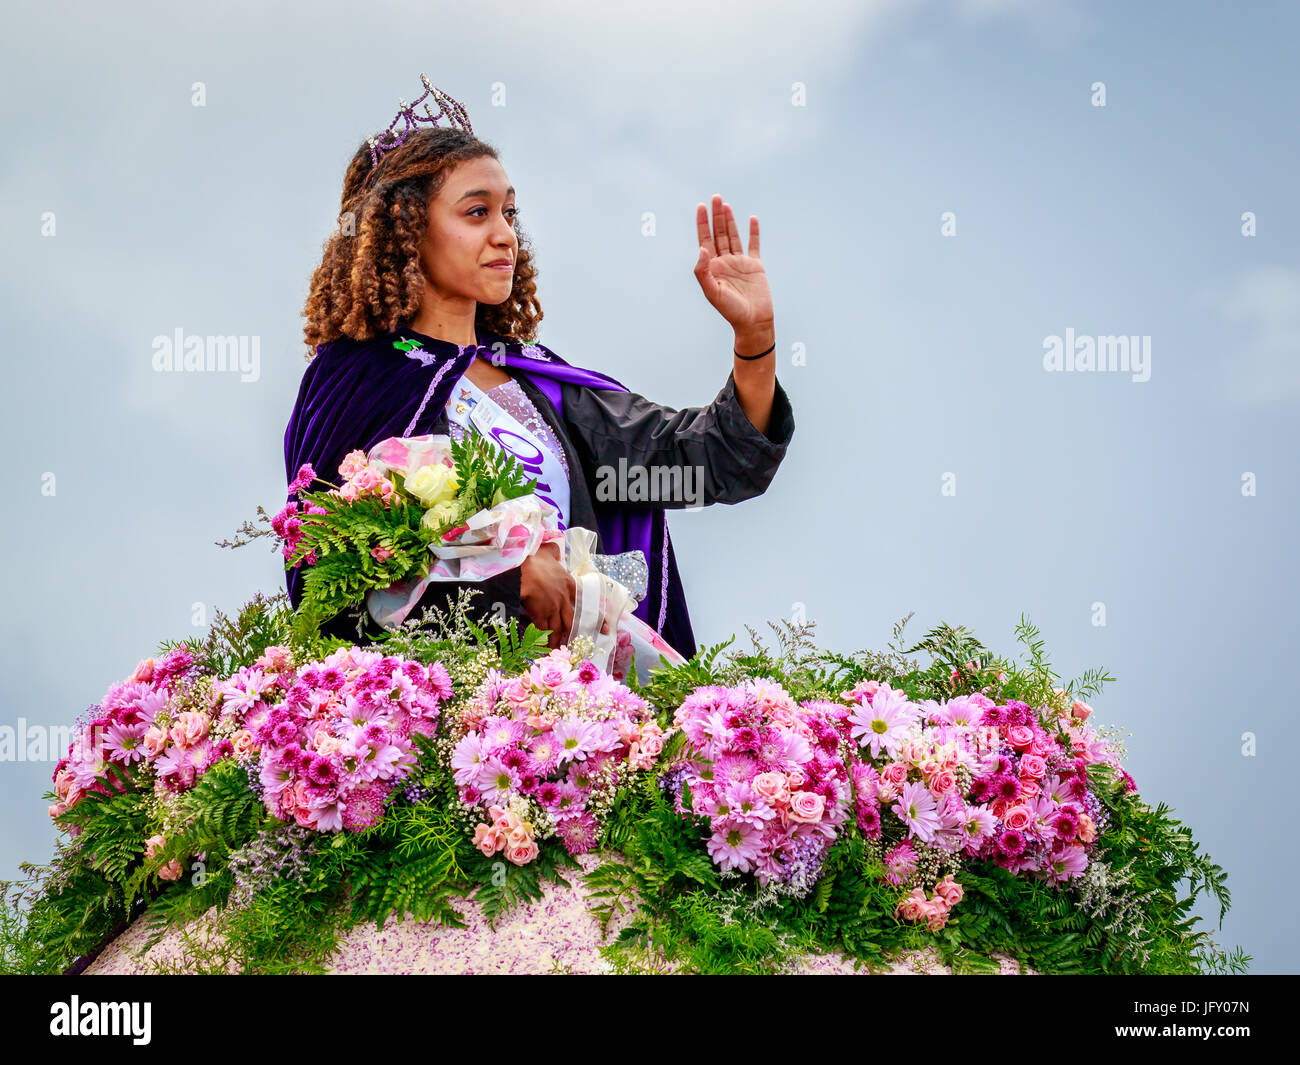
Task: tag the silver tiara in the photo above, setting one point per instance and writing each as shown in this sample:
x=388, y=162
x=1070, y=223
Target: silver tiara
x=451, y=109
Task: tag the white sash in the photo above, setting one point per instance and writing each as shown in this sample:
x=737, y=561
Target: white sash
x=469, y=403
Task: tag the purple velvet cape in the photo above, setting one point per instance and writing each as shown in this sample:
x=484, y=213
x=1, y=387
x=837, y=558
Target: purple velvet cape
x=356, y=393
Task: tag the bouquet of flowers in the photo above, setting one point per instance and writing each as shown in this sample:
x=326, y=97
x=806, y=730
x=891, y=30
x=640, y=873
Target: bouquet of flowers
x=407, y=497
x=967, y=778
x=769, y=776
x=416, y=510
x=542, y=754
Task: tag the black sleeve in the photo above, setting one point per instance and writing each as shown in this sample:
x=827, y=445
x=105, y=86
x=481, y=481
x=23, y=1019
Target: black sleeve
x=729, y=459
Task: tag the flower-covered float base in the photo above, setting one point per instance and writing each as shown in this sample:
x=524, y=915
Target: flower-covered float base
x=554, y=935
x=455, y=799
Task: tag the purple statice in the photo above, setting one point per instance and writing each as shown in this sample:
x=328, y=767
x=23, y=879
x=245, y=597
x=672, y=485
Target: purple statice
x=253, y=771
x=801, y=865
x=416, y=792
x=277, y=852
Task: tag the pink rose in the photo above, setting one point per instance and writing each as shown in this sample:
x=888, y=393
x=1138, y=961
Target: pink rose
x=773, y=787
x=553, y=676
x=63, y=783
x=1029, y=788
x=909, y=906
x=144, y=671
x=895, y=773
x=795, y=777
x=1033, y=766
x=1020, y=736
x=1081, y=710
x=517, y=837
x=949, y=890
x=914, y=751
x=152, y=846
x=58, y=808
x=190, y=727
x=1000, y=806
x=806, y=806
x=524, y=853
x=380, y=553
x=935, y=913
x=1017, y=817
x=243, y=743
x=487, y=840
x=652, y=745
x=367, y=480
x=943, y=782
x=171, y=871
x=517, y=692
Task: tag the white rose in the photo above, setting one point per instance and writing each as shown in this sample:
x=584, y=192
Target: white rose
x=433, y=484
x=440, y=514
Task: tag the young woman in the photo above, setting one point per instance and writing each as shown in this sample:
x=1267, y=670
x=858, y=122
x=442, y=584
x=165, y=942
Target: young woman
x=420, y=318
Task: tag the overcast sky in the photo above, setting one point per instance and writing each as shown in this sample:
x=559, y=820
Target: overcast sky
x=941, y=191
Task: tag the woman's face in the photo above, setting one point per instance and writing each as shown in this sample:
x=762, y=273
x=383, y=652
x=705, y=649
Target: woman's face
x=471, y=226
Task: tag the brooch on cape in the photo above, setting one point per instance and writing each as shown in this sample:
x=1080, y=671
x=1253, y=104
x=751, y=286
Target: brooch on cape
x=412, y=349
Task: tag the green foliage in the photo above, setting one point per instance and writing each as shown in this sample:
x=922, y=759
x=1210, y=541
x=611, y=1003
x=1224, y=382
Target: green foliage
x=503, y=885
x=343, y=539
x=231, y=645
x=487, y=474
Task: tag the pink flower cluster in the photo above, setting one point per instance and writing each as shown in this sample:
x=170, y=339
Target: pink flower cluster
x=363, y=479
x=125, y=730
x=287, y=524
x=340, y=740
x=769, y=776
x=968, y=777
x=544, y=752
x=934, y=910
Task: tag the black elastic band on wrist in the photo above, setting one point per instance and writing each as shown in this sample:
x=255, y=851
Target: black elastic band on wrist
x=758, y=356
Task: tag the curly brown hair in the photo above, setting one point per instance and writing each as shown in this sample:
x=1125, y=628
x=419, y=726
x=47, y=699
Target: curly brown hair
x=370, y=281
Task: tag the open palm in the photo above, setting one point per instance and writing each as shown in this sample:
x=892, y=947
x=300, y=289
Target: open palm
x=733, y=280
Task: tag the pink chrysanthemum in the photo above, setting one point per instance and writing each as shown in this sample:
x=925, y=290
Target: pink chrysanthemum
x=735, y=844
x=363, y=808
x=578, y=833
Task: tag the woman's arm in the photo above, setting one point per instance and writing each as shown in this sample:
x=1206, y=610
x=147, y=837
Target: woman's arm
x=689, y=457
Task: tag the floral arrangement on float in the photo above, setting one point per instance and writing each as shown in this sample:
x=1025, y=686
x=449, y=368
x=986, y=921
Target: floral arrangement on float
x=735, y=812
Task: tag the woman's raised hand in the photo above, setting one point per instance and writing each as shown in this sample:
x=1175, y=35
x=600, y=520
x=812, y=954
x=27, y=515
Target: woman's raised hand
x=733, y=280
